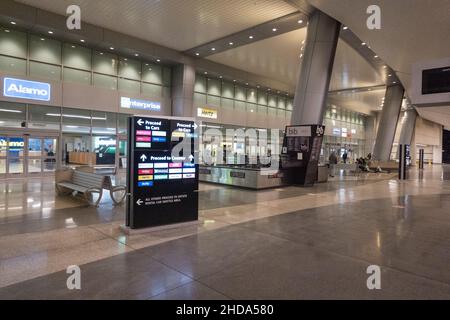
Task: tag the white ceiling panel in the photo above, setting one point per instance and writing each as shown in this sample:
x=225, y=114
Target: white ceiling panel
x=177, y=24
x=279, y=57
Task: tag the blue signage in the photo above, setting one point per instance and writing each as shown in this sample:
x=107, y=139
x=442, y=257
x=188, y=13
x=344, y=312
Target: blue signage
x=130, y=103
x=24, y=89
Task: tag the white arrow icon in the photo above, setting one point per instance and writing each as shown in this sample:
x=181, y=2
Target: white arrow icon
x=139, y=202
x=191, y=157
x=195, y=126
x=143, y=158
x=140, y=122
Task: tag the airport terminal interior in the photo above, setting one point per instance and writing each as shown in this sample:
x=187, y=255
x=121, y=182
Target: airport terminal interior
x=320, y=135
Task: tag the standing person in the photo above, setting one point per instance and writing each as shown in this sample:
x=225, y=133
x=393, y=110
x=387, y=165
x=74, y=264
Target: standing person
x=333, y=162
x=345, y=156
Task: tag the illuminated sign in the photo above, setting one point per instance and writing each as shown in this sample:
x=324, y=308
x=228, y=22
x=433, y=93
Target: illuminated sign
x=162, y=183
x=207, y=113
x=24, y=89
x=130, y=103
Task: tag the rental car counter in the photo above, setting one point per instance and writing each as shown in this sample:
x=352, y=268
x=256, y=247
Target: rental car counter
x=250, y=177
x=241, y=176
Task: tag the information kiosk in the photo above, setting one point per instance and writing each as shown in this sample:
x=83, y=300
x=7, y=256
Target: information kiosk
x=162, y=178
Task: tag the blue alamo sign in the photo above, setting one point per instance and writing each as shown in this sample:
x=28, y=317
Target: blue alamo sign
x=24, y=89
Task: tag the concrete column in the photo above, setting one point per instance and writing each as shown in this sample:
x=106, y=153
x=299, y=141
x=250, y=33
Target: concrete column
x=388, y=122
x=408, y=126
x=183, y=81
x=316, y=67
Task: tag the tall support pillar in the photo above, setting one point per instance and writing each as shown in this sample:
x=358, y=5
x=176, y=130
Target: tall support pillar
x=388, y=122
x=183, y=81
x=408, y=127
x=316, y=68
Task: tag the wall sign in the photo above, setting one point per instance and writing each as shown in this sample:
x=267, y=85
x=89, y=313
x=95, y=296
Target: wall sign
x=162, y=184
x=25, y=89
x=207, y=113
x=130, y=103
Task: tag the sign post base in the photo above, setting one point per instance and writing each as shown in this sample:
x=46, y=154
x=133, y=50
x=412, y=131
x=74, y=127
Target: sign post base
x=128, y=231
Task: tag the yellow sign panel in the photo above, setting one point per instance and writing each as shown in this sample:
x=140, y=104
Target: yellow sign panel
x=145, y=178
x=207, y=113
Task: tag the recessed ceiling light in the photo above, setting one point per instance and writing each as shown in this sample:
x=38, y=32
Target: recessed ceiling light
x=73, y=47
x=136, y=54
x=50, y=32
x=274, y=29
x=389, y=75
x=231, y=43
x=269, y=89
x=220, y=77
x=125, y=59
x=345, y=28
x=82, y=40
x=234, y=80
x=42, y=39
x=158, y=60
x=197, y=54
x=363, y=44
x=395, y=82
x=246, y=83
x=300, y=21
x=250, y=37
x=101, y=53
x=6, y=30
x=111, y=48
x=375, y=56
x=213, y=49
x=206, y=72
x=13, y=23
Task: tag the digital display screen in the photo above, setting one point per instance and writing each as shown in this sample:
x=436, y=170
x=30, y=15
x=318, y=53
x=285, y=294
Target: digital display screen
x=436, y=80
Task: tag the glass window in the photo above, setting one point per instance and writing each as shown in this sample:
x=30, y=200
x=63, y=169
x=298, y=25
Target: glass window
x=240, y=93
x=13, y=43
x=167, y=92
x=199, y=100
x=167, y=76
x=272, y=101
x=105, y=149
x=200, y=84
x=123, y=123
x=227, y=103
x=281, y=103
x=12, y=114
x=77, y=76
x=262, y=109
x=13, y=65
x=154, y=90
x=228, y=90
x=104, y=122
x=130, y=69
x=129, y=86
x=262, y=98
x=251, y=96
x=214, y=87
x=77, y=57
x=281, y=113
x=44, y=117
x=252, y=108
x=271, y=111
x=103, y=81
x=105, y=63
x=289, y=104
x=151, y=73
x=288, y=115
x=45, y=71
x=213, y=101
x=76, y=120
x=45, y=50
x=240, y=106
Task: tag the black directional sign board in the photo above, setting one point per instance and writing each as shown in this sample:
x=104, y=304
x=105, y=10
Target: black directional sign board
x=163, y=173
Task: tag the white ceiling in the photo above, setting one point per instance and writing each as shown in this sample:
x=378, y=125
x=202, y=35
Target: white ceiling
x=439, y=115
x=177, y=24
x=362, y=102
x=279, y=58
x=411, y=30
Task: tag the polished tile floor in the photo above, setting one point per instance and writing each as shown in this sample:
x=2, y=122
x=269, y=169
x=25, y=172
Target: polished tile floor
x=287, y=243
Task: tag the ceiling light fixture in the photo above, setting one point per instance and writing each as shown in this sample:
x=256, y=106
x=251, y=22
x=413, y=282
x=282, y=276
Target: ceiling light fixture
x=50, y=32
x=197, y=54
x=6, y=30
x=363, y=44
x=389, y=75
x=111, y=48
x=345, y=28
x=206, y=72
x=213, y=49
x=82, y=40
x=375, y=56
x=300, y=21
x=158, y=60
x=136, y=54
x=250, y=37
x=13, y=23
x=231, y=43
x=274, y=29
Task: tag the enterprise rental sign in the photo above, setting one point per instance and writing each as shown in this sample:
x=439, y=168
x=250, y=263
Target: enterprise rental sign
x=24, y=89
x=129, y=103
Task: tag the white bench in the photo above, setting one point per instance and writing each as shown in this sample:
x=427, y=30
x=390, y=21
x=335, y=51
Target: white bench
x=85, y=183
